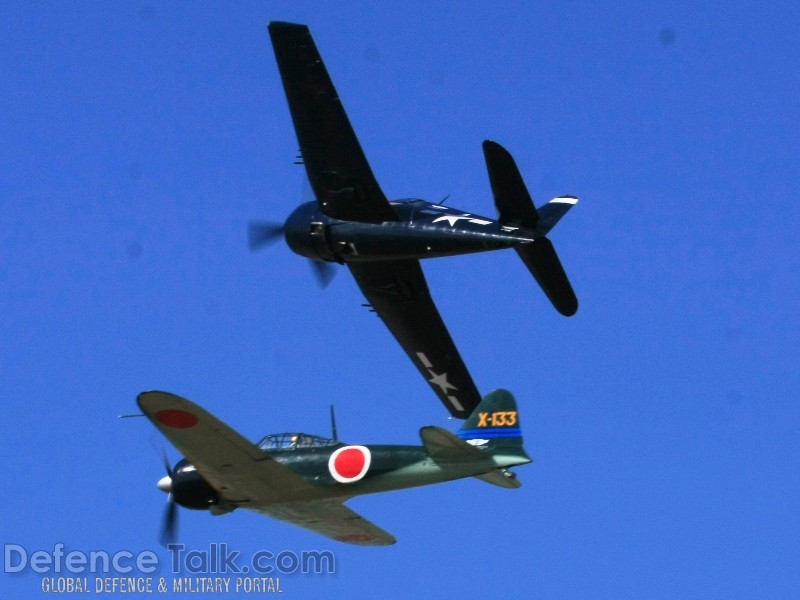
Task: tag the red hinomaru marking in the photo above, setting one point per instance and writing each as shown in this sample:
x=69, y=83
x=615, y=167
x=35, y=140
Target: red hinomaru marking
x=349, y=464
x=179, y=419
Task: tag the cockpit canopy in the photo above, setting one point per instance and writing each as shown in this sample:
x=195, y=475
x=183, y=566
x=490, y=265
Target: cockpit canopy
x=411, y=201
x=291, y=441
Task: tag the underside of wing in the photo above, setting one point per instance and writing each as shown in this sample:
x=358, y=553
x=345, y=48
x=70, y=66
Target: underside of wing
x=441, y=444
x=399, y=294
x=239, y=470
x=337, y=168
x=332, y=519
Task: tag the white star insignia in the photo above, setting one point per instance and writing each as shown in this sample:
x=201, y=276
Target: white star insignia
x=441, y=381
x=451, y=219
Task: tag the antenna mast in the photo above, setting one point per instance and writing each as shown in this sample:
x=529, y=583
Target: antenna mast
x=333, y=425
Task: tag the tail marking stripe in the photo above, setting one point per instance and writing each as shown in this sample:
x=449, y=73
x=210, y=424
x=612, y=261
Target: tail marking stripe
x=490, y=433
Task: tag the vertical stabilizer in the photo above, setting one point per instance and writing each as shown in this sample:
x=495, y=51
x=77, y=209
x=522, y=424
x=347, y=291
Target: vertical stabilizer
x=515, y=208
x=494, y=425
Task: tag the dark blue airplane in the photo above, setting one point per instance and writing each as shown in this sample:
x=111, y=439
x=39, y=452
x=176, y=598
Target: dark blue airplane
x=381, y=241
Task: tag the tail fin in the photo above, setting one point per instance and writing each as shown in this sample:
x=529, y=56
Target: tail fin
x=542, y=261
x=515, y=209
x=514, y=204
x=494, y=426
x=551, y=213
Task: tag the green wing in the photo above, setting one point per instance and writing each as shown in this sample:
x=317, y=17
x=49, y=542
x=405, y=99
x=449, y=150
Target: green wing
x=332, y=519
x=246, y=476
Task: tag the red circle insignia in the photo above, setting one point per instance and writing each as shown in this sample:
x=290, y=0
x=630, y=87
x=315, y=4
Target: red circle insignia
x=179, y=419
x=349, y=463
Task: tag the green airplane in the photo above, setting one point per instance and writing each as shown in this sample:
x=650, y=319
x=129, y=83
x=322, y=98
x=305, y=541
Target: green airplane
x=305, y=479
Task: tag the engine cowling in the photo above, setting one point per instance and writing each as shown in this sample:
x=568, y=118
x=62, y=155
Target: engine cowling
x=306, y=232
x=190, y=490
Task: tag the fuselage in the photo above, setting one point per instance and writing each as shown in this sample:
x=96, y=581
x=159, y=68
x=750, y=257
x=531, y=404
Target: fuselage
x=391, y=467
x=423, y=230
x=386, y=468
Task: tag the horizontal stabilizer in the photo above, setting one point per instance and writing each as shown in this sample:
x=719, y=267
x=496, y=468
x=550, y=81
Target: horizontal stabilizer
x=551, y=213
x=442, y=445
x=542, y=261
x=514, y=204
x=515, y=208
x=500, y=478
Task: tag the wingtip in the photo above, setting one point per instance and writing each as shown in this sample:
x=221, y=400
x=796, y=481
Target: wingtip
x=492, y=146
x=145, y=400
x=285, y=25
x=568, y=310
x=565, y=199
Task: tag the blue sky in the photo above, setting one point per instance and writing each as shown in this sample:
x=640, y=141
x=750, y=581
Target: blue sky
x=139, y=138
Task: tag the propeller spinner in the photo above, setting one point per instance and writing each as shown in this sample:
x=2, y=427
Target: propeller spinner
x=261, y=234
x=169, y=523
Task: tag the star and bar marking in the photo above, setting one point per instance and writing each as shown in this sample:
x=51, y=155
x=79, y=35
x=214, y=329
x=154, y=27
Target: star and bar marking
x=453, y=219
x=440, y=381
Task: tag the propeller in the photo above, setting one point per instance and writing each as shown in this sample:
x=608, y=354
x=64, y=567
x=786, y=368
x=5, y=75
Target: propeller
x=261, y=234
x=324, y=272
x=169, y=523
x=167, y=466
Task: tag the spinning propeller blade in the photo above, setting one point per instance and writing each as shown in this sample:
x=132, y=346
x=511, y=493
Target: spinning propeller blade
x=169, y=524
x=167, y=466
x=324, y=272
x=261, y=234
